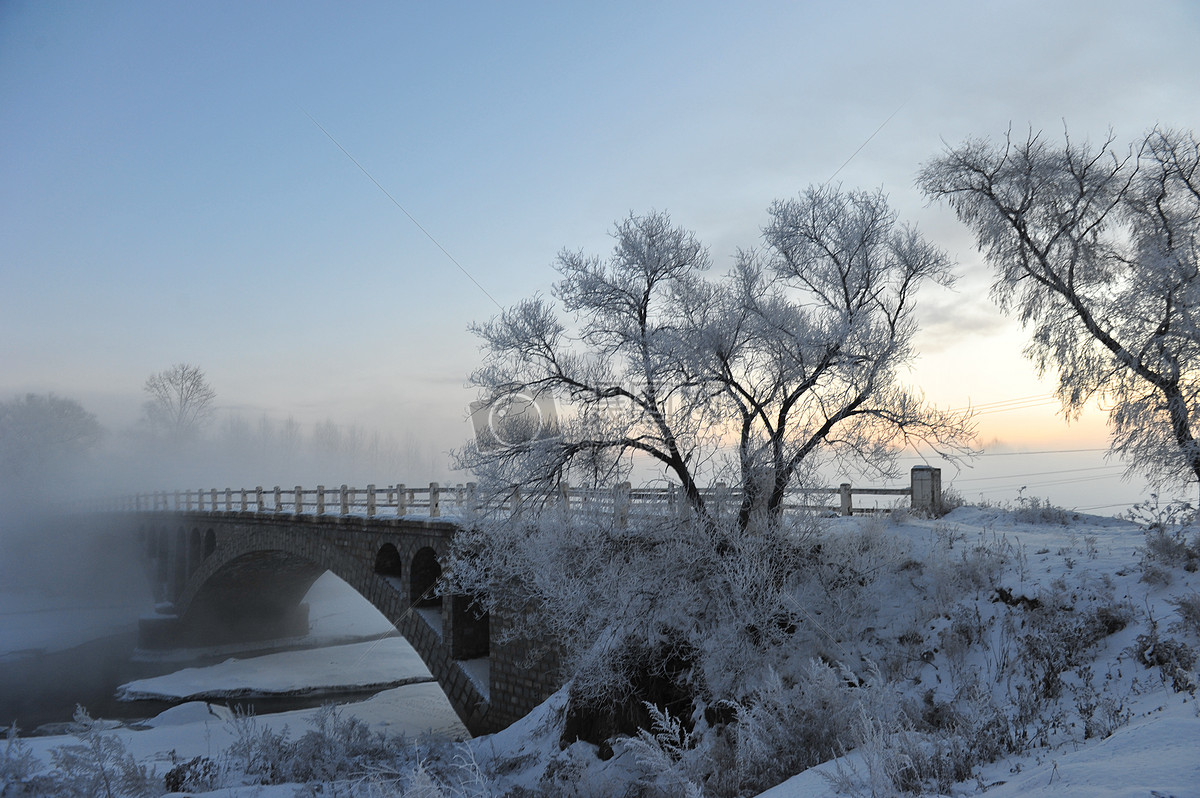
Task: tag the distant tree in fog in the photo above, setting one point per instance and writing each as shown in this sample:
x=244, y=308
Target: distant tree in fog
x=1098, y=251
x=180, y=401
x=41, y=434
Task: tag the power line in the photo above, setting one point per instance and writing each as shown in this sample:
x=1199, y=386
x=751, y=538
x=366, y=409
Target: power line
x=1045, y=451
x=1025, y=484
x=865, y=143
x=1009, y=454
x=1113, y=469
x=403, y=210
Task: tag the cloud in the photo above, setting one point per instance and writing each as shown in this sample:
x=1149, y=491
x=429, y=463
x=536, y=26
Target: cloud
x=955, y=317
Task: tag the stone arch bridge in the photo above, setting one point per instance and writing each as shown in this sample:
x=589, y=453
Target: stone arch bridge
x=232, y=576
x=234, y=566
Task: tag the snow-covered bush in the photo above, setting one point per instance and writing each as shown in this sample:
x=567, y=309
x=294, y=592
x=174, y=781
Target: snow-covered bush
x=99, y=765
x=1176, y=660
x=1187, y=607
x=1034, y=510
x=198, y=773
x=18, y=765
x=335, y=748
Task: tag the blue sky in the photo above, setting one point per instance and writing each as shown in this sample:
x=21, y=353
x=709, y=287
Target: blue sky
x=166, y=197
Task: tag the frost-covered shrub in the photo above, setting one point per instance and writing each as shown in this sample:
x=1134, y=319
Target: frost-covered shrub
x=1058, y=636
x=957, y=568
x=1187, y=607
x=1168, y=547
x=200, y=774
x=99, y=765
x=1176, y=660
x=952, y=499
x=1153, y=515
x=787, y=725
x=335, y=748
x=1033, y=510
x=18, y=765
x=1101, y=712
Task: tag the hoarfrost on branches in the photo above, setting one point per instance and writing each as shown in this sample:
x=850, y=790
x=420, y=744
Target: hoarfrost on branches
x=792, y=355
x=1097, y=250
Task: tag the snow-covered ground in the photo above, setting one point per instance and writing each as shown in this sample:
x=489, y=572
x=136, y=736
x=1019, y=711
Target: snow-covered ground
x=379, y=664
x=1147, y=745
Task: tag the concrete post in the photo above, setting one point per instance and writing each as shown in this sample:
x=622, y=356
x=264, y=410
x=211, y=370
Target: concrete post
x=228, y=500
x=345, y=500
x=258, y=500
x=401, y=499
x=621, y=504
x=298, y=504
x=722, y=499
x=926, y=489
x=320, y=500
x=213, y=496
x=435, y=500
x=244, y=502
x=371, y=501
x=200, y=500
x=472, y=498
x=847, y=505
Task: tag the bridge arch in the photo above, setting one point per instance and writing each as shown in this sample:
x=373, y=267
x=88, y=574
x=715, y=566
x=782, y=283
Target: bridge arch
x=251, y=583
x=424, y=574
x=388, y=562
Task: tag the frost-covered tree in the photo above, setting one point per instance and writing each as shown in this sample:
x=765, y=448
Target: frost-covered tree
x=1096, y=249
x=180, y=403
x=40, y=435
x=793, y=354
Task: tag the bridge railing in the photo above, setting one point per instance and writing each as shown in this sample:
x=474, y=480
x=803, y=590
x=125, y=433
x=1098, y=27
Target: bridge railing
x=435, y=500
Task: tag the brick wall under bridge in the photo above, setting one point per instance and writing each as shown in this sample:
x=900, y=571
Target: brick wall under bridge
x=235, y=577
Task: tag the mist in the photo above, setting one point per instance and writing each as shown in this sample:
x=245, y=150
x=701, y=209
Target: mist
x=74, y=583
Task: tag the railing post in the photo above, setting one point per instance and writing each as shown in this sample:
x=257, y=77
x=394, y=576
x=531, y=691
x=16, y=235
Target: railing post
x=564, y=497
x=371, y=501
x=244, y=502
x=621, y=504
x=200, y=501
x=345, y=500
x=177, y=501
x=472, y=498
x=278, y=499
x=258, y=499
x=299, y=500
x=228, y=500
x=187, y=500
x=926, y=483
x=213, y=495
x=847, y=505
x=320, y=500
x=401, y=500
x=435, y=500
x=722, y=499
